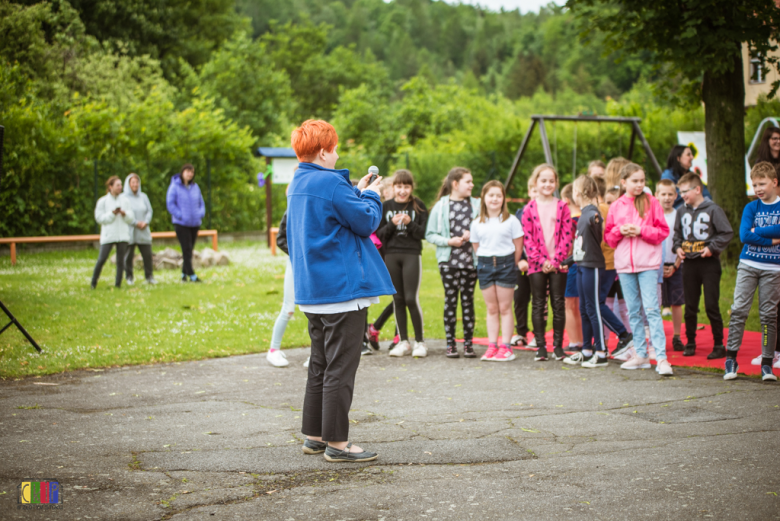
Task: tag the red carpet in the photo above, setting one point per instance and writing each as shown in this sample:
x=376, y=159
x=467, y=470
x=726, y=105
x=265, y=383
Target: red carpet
x=751, y=348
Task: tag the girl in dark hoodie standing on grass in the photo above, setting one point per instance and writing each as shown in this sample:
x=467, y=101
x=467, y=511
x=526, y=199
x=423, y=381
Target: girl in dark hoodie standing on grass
x=186, y=206
x=402, y=230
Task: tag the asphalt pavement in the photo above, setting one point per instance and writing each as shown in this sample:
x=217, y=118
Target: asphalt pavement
x=457, y=440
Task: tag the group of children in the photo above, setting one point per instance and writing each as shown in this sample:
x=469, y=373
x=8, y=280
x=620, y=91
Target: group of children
x=606, y=256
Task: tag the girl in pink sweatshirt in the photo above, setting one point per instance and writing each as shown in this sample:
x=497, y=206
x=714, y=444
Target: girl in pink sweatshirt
x=636, y=228
x=548, y=232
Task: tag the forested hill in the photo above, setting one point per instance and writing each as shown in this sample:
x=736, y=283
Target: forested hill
x=505, y=52
x=93, y=88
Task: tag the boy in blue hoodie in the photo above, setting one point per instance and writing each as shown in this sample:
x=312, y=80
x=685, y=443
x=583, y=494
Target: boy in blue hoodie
x=759, y=267
x=338, y=273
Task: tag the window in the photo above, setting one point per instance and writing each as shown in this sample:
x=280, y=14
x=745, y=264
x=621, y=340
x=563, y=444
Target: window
x=756, y=71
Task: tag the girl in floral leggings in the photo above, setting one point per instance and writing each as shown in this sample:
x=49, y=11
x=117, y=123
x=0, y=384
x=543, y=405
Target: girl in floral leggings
x=448, y=228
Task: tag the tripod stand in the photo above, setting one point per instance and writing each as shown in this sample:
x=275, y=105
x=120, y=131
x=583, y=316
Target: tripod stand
x=16, y=323
x=5, y=309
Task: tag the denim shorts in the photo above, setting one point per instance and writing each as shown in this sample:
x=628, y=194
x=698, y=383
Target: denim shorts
x=501, y=271
x=571, y=282
x=674, y=295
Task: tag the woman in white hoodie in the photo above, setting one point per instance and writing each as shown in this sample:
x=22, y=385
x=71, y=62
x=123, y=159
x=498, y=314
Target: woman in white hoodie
x=114, y=213
x=140, y=234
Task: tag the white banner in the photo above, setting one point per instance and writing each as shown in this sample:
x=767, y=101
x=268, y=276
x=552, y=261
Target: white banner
x=283, y=170
x=695, y=140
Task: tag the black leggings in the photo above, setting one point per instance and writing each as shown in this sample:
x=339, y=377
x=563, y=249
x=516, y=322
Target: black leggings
x=146, y=254
x=188, y=236
x=105, y=251
x=557, y=282
x=522, y=298
x=406, y=273
x=456, y=281
x=379, y=323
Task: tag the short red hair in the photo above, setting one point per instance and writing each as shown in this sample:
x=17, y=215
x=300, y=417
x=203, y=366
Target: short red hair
x=312, y=136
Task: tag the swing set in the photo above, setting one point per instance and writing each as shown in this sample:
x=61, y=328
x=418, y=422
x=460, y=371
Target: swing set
x=548, y=153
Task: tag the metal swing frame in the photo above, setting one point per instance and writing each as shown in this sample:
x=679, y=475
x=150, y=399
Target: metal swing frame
x=636, y=131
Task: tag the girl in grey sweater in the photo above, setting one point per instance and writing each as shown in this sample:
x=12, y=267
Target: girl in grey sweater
x=113, y=213
x=140, y=234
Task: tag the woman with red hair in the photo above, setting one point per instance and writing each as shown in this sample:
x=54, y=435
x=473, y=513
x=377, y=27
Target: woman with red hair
x=338, y=273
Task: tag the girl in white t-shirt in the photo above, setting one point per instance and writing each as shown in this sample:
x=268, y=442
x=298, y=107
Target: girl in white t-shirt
x=497, y=239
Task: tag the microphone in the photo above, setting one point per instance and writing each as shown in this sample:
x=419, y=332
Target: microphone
x=374, y=171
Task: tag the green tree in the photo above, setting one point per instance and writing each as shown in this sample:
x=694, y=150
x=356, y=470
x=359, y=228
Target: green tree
x=525, y=75
x=247, y=86
x=697, y=43
x=300, y=49
x=163, y=29
x=44, y=39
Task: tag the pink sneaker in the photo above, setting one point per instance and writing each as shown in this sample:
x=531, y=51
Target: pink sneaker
x=373, y=337
x=504, y=354
x=490, y=354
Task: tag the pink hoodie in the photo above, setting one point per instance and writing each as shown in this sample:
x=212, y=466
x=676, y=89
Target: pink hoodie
x=636, y=254
x=535, y=249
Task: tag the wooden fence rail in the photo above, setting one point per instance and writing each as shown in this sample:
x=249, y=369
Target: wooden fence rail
x=13, y=241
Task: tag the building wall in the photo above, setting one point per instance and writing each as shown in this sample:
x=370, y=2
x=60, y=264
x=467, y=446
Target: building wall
x=755, y=88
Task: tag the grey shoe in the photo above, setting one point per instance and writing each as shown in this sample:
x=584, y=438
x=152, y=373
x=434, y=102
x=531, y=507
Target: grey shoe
x=151, y=281
x=130, y=281
x=314, y=447
x=335, y=455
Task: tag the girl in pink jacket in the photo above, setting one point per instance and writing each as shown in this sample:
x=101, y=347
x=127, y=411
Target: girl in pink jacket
x=636, y=228
x=548, y=230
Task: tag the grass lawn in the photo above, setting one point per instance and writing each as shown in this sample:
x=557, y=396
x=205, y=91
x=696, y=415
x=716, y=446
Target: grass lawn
x=232, y=312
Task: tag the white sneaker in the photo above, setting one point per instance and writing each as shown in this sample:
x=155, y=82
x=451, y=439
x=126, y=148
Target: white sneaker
x=420, y=351
x=306, y=363
x=575, y=358
x=664, y=368
x=628, y=355
x=636, y=363
x=151, y=281
x=516, y=340
x=775, y=362
x=667, y=312
x=277, y=358
x=403, y=348
x=129, y=282
x=532, y=343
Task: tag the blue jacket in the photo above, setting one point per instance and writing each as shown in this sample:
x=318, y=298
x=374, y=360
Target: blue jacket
x=329, y=223
x=765, y=218
x=185, y=203
x=671, y=176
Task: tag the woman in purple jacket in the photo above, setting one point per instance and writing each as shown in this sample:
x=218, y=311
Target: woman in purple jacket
x=186, y=206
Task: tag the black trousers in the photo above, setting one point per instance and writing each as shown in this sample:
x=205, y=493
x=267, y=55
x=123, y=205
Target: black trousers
x=697, y=273
x=188, y=236
x=406, y=273
x=522, y=298
x=146, y=253
x=383, y=316
x=336, y=340
x=105, y=251
x=557, y=282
